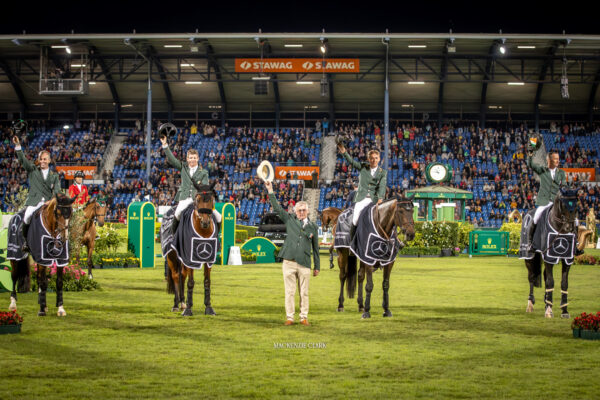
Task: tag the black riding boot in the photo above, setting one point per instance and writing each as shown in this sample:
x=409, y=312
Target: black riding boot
x=25, y=230
x=174, y=225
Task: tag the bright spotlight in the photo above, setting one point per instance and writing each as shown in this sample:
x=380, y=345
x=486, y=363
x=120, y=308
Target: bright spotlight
x=502, y=49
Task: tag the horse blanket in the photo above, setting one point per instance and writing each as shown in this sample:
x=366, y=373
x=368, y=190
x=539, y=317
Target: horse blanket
x=45, y=249
x=368, y=245
x=553, y=246
x=192, y=249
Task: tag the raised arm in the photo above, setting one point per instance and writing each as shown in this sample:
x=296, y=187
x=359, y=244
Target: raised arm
x=171, y=159
x=27, y=165
x=537, y=168
x=350, y=160
x=276, y=206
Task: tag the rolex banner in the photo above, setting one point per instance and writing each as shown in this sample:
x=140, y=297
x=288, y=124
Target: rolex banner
x=227, y=238
x=263, y=248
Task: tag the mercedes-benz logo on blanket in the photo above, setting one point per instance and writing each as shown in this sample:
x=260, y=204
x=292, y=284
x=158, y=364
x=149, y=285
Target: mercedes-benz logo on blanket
x=54, y=248
x=343, y=217
x=380, y=249
x=15, y=225
x=561, y=245
x=204, y=251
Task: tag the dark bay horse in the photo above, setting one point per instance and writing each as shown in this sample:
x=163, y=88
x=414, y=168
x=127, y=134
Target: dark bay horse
x=93, y=212
x=329, y=216
x=55, y=216
x=204, y=203
x=387, y=216
x=562, y=218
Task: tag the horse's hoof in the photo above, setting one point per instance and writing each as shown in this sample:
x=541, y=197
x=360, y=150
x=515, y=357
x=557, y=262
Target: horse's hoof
x=361, y=309
x=549, y=314
x=366, y=315
x=41, y=313
x=387, y=313
x=529, y=306
x=61, y=312
x=182, y=306
x=209, y=311
x=565, y=315
x=331, y=267
x=175, y=309
x=187, y=312
x=340, y=309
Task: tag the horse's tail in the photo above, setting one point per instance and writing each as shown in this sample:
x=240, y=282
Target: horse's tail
x=170, y=281
x=351, y=276
x=22, y=275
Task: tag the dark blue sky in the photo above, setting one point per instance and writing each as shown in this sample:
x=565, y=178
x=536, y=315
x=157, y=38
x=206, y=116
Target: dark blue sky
x=298, y=16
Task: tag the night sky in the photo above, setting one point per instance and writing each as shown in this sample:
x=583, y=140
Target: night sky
x=298, y=16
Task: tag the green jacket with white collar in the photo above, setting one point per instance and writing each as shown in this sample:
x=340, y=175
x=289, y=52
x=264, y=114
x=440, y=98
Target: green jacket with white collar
x=300, y=239
x=39, y=188
x=374, y=186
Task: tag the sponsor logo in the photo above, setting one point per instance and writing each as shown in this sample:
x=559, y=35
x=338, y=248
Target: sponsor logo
x=245, y=65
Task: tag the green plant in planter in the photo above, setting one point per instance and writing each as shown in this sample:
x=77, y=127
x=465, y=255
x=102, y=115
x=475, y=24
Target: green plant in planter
x=248, y=255
x=108, y=239
x=514, y=236
x=74, y=279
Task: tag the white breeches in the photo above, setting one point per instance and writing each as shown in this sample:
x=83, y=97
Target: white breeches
x=30, y=210
x=358, y=207
x=539, y=211
x=183, y=204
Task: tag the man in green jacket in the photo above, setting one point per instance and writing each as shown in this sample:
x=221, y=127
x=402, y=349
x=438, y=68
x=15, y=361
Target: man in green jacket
x=372, y=181
x=302, y=236
x=551, y=179
x=190, y=170
x=43, y=183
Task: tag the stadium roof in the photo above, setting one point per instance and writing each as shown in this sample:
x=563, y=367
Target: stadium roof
x=475, y=77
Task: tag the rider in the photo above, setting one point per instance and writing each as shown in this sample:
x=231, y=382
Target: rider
x=43, y=183
x=80, y=190
x=551, y=179
x=189, y=170
x=371, y=182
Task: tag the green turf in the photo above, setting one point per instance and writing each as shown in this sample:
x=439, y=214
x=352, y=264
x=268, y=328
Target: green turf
x=459, y=330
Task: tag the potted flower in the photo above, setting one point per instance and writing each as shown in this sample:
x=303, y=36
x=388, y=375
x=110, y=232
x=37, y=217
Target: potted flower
x=586, y=326
x=10, y=322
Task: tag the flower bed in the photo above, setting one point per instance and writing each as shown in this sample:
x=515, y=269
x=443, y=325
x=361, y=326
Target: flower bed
x=10, y=322
x=74, y=279
x=586, y=259
x=587, y=326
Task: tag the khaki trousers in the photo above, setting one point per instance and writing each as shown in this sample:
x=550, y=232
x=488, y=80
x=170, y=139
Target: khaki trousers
x=293, y=272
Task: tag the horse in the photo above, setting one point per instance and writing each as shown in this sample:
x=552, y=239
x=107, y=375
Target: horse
x=204, y=203
x=55, y=217
x=93, y=211
x=387, y=216
x=329, y=216
x=562, y=219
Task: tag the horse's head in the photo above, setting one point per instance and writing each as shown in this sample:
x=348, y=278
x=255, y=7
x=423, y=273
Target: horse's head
x=403, y=216
x=59, y=211
x=565, y=210
x=96, y=209
x=204, y=204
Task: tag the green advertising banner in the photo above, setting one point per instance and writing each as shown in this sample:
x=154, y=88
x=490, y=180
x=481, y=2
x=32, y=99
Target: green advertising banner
x=227, y=234
x=488, y=242
x=263, y=248
x=5, y=278
x=141, y=217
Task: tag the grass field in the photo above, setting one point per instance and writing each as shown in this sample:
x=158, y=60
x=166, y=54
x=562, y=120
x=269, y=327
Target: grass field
x=459, y=331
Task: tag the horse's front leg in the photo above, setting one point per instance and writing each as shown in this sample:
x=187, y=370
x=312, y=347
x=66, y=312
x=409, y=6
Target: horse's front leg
x=343, y=265
x=42, y=282
x=564, y=287
x=331, y=257
x=59, y=293
x=361, y=280
x=368, y=290
x=209, y=310
x=531, y=277
x=387, y=271
x=13, y=293
x=190, y=291
x=90, y=261
x=549, y=283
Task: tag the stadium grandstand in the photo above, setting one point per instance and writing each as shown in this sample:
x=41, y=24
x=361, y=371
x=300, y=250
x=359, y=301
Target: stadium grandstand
x=467, y=100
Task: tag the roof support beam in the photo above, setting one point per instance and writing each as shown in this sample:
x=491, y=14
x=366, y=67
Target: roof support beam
x=488, y=69
x=540, y=87
x=14, y=81
x=111, y=85
x=165, y=83
x=212, y=62
x=443, y=74
x=269, y=51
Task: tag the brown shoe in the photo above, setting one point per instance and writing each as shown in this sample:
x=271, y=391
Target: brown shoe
x=304, y=322
x=288, y=322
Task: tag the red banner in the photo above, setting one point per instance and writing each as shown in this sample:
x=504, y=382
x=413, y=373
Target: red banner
x=297, y=65
x=580, y=174
x=70, y=170
x=302, y=172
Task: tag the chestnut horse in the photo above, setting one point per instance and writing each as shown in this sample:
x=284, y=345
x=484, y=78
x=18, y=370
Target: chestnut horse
x=329, y=216
x=204, y=203
x=55, y=216
x=387, y=216
x=93, y=212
